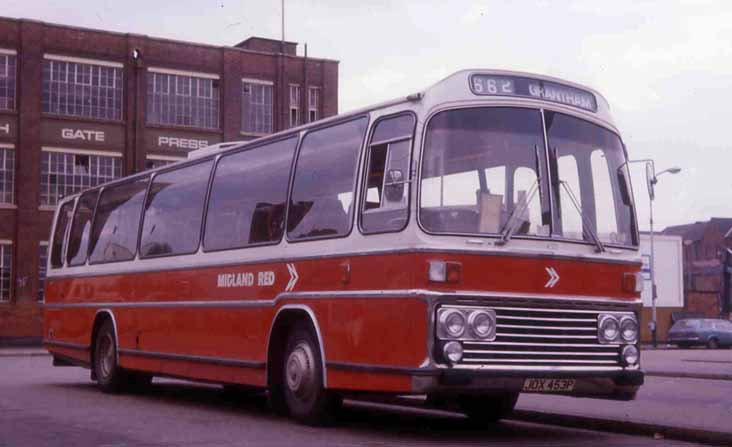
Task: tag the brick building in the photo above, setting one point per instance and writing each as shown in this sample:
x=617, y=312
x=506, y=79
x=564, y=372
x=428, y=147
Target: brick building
x=79, y=107
x=704, y=244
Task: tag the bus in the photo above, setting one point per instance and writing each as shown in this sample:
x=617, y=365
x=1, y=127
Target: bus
x=466, y=243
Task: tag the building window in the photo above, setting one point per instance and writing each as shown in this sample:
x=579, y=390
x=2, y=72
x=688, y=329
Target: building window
x=82, y=89
x=154, y=162
x=294, y=105
x=313, y=104
x=65, y=173
x=7, y=175
x=7, y=81
x=181, y=100
x=6, y=253
x=256, y=103
x=42, y=258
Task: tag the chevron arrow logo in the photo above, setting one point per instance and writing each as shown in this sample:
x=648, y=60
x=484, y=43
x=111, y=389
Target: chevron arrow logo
x=293, y=277
x=553, y=277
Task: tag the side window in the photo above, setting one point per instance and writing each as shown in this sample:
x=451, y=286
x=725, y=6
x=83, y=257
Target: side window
x=248, y=197
x=174, y=211
x=322, y=193
x=80, y=228
x=385, y=207
x=62, y=224
x=116, y=224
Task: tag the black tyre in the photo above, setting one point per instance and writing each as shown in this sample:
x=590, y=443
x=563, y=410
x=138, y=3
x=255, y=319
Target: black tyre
x=138, y=381
x=713, y=343
x=110, y=377
x=239, y=392
x=487, y=409
x=302, y=379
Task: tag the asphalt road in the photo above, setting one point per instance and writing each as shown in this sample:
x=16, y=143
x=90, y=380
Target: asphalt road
x=45, y=406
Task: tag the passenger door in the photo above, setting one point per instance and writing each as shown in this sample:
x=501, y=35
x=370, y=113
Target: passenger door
x=386, y=192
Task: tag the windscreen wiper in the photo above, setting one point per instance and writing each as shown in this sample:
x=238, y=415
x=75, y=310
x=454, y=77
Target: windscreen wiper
x=586, y=227
x=511, y=224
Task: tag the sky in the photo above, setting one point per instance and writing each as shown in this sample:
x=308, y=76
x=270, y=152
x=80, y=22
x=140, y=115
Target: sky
x=665, y=66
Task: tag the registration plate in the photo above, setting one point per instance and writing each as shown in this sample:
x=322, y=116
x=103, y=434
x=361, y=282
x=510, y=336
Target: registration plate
x=548, y=385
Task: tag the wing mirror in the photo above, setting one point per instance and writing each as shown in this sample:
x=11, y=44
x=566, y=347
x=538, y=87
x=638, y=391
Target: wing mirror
x=394, y=185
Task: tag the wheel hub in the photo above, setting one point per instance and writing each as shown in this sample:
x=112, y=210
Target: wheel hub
x=299, y=372
x=106, y=355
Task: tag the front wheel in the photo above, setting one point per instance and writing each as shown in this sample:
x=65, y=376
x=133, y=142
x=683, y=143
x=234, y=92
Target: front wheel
x=110, y=377
x=487, y=408
x=713, y=343
x=306, y=398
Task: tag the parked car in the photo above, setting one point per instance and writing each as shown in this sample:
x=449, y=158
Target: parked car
x=711, y=332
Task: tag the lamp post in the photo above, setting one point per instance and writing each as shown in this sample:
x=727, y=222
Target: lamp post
x=651, y=180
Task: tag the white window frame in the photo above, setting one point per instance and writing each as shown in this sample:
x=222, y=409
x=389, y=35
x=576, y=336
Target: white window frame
x=6, y=244
x=63, y=87
x=260, y=82
x=166, y=158
x=295, y=92
x=168, y=104
x=83, y=152
x=11, y=204
x=314, y=106
x=4, y=66
x=44, y=268
x=6, y=54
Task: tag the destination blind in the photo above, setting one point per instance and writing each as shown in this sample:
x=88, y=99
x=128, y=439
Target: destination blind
x=505, y=85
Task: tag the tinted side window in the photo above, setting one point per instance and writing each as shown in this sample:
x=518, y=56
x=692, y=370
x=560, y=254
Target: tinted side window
x=174, y=211
x=248, y=197
x=116, y=224
x=80, y=228
x=64, y=219
x=322, y=193
x=388, y=177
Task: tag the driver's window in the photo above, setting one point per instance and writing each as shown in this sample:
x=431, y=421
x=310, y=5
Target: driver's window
x=386, y=204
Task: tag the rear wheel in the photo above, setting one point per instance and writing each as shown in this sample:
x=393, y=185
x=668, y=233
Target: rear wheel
x=713, y=343
x=487, y=408
x=110, y=377
x=302, y=379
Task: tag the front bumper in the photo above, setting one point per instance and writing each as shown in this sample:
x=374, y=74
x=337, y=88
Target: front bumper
x=619, y=385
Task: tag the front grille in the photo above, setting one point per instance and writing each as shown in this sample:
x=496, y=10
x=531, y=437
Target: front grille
x=543, y=337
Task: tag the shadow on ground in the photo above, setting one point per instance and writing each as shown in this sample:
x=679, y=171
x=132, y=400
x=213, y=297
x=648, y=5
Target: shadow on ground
x=386, y=422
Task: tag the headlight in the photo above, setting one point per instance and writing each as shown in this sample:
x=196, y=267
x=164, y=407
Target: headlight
x=629, y=329
x=631, y=355
x=482, y=324
x=609, y=329
x=452, y=321
x=453, y=351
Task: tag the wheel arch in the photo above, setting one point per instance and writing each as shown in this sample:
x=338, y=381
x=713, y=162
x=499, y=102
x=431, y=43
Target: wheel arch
x=285, y=317
x=100, y=317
